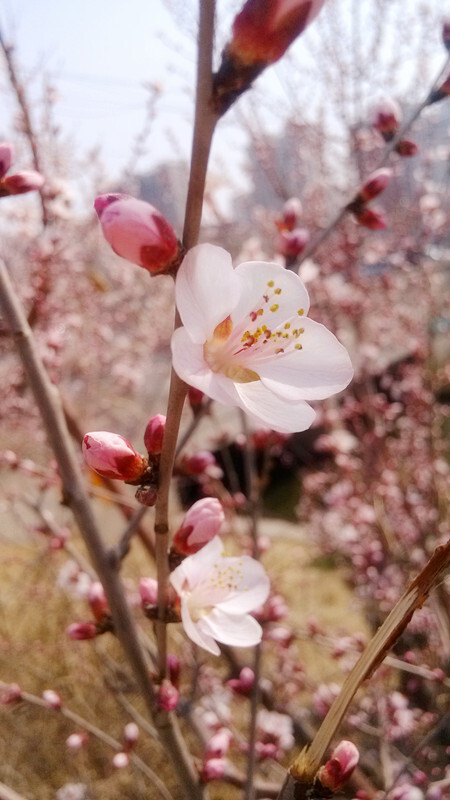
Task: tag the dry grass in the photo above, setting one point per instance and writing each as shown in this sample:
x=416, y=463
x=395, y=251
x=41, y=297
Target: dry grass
x=34, y=652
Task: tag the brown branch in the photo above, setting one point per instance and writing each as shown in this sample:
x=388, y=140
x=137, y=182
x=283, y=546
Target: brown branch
x=204, y=124
x=75, y=495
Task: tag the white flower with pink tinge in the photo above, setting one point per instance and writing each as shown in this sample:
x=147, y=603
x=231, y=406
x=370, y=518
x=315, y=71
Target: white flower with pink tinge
x=246, y=340
x=217, y=592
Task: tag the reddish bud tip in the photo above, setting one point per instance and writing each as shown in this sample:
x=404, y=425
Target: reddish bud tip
x=97, y=601
x=263, y=31
x=112, y=456
x=339, y=768
x=371, y=218
x=244, y=684
x=199, y=462
x=137, y=231
x=148, y=590
x=195, y=397
x=213, y=769
x=6, y=157
x=446, y=33
x=9, y=694
x=22, y=182
x=201, y=524
x=82, y=630
x=167, y=697
x=441, y=93
x=154, y=434
x=291, y=244
x=386, y=118
x=173, y=668
x=292, y=210
x=406, y=148
x=375, y=184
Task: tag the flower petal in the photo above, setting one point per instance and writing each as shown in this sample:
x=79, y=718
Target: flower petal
x=237, y=630
x=252, y=589
x=286, y=293
x=206, y=290
x=193, y=569
x=190, y=366
x=321, y=368
x=273, y=411
x=195, y=631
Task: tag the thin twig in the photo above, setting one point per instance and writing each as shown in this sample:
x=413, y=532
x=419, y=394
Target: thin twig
x=205, y=121
x=75, y=495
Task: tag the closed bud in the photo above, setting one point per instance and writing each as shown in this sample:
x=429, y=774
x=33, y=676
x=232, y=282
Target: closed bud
x=51, y=698
x=195, y=397
x=113, y=456
x=375, y=184
x=199, y=462
x=97, y=601
x=406, y=148
x=121, y=760
x=244, y=684
x=154, y=434
x=339, y=768
x=148, y=590
x=137, y=231
x=131, y=733
x=147, y=495
x=82, y=630
x=201, y=524
x=26, y=181
x=442, y=92
x=76, y=741
x=371, y=218
x=9, y=694
x=386, y=118
x=167, y=696
x=446, y=33
x=219, y=744
x=173, y=669
x=291, y=244
x=292, y=210
x=263, y=31
x=213, y=769
x=6, y=157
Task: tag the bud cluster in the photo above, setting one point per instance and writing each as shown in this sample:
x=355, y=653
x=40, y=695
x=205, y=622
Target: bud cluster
x=386, y=120
x=376, y=183
x=26, y=180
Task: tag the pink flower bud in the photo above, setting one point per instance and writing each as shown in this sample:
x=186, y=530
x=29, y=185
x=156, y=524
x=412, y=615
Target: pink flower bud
x=244, y=684
x=219, y=744
x=371, y=218
x=199, y=462
x=137, y=231
x=82, y=630
x=51, y=698
x=375, y=184
x=6, y=157
x=201, y=524
x=121, y=760
x=148, y=590
x=131, y=733
x=406, y=148
x=213, y=769
x=97, y=601
x=26, y=181
x=263, y=31
x=291, y=244
x=154, y=433
x=167, y=697
x=338, y=769
x=112, y=456
x=76, y=741
x=292, y=210
x=386, y=118
x=9, y=694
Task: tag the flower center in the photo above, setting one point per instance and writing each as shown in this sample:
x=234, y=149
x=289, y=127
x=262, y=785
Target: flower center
x=219, y=357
